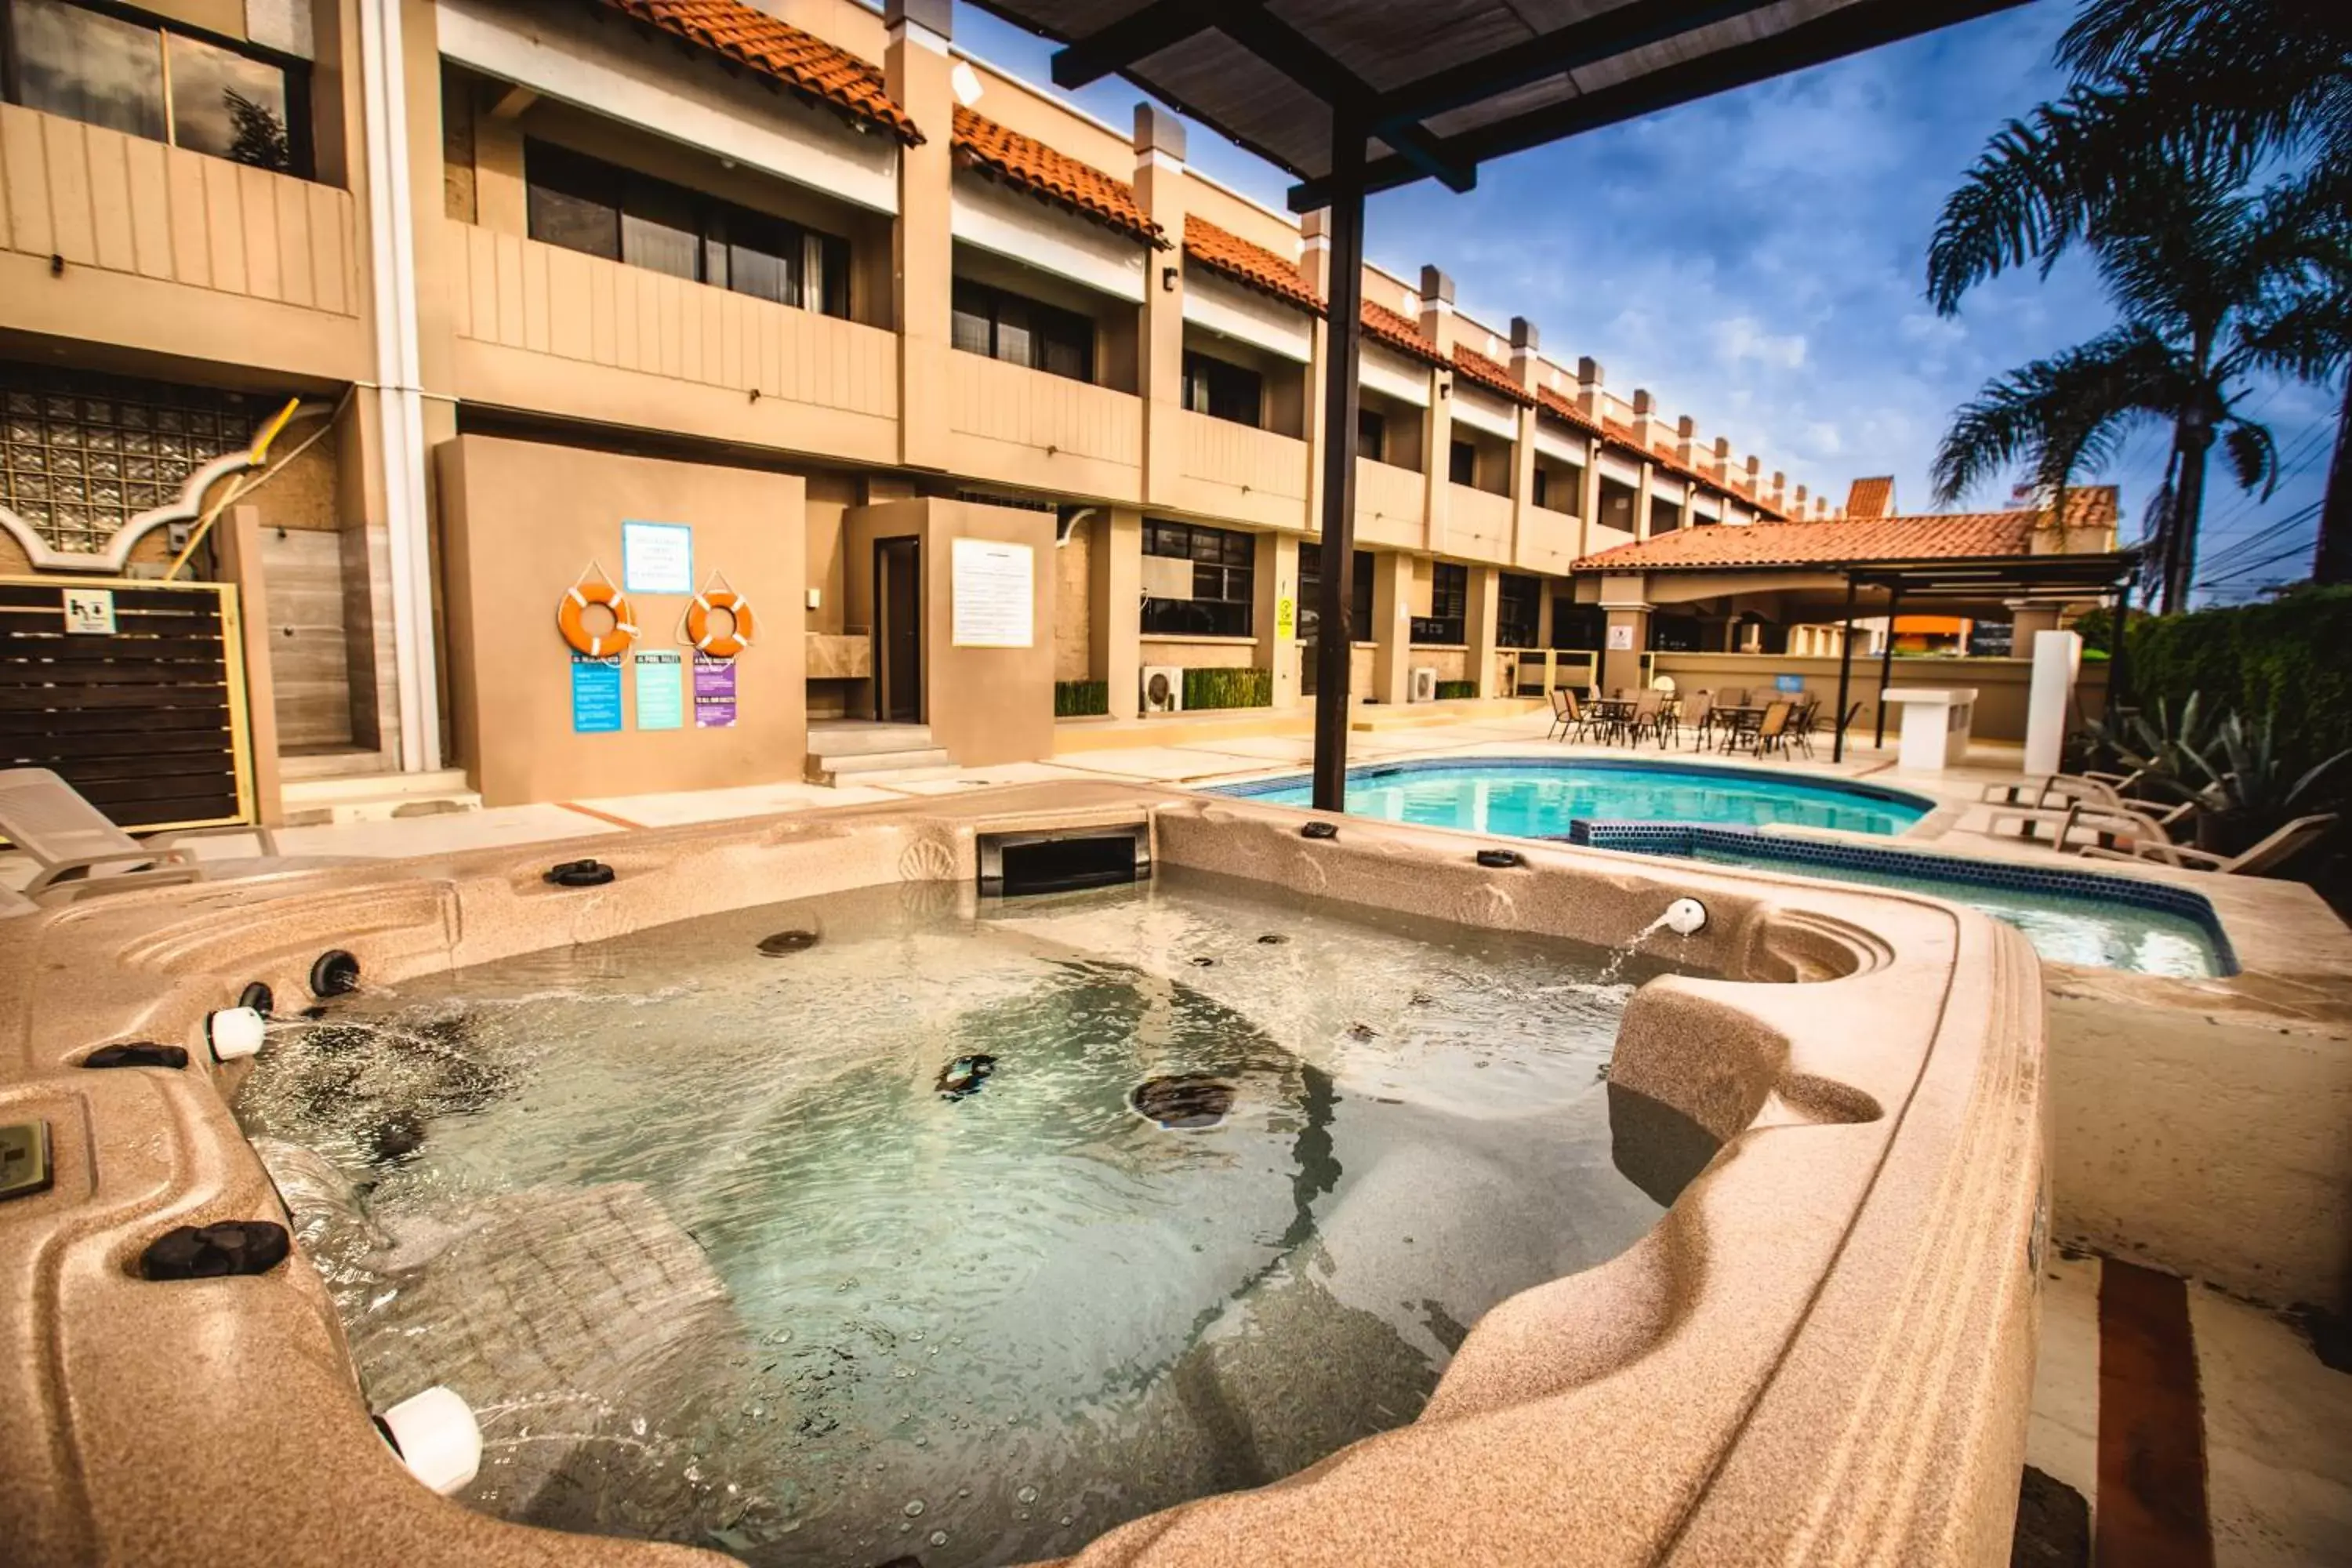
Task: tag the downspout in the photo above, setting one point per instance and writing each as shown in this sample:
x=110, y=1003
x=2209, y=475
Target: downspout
x=400, y=405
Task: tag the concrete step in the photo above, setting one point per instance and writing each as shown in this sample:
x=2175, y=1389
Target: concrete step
x=868, y=766
x=376, y=797
x=892, y=776
x=857, y=738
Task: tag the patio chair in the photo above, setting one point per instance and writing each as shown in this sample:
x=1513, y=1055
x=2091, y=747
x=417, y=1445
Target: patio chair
x=2053, y=791
x=78, y=851
x=1560, y=714
x=1648, y=710
x=2268, y=855
x=1699, y=717
x=1800, y=725
x=1772, y=734
x=2108, y=821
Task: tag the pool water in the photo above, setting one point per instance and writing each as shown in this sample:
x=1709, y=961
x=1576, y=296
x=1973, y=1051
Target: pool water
x=1533, y=798
x=2068, y=927
x=860, y=1246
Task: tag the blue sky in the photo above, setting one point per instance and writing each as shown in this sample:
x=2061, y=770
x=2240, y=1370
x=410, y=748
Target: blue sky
x=1757, y=260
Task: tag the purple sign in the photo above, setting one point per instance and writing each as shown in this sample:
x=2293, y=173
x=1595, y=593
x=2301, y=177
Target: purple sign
x=714, y=692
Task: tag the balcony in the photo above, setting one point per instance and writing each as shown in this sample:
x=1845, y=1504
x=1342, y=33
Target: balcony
x=1477, y=524
x=543, y=327
x=142, y=227
x=1549, y=540
x=1242, y=472
x=1029, y=427
x=1392, y=506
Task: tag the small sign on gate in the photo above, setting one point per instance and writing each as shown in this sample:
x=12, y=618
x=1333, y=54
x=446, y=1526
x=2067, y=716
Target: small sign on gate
x=89, y=612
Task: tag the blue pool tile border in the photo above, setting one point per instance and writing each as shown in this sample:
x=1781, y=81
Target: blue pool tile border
x=1373, y=772
x=1689, y=840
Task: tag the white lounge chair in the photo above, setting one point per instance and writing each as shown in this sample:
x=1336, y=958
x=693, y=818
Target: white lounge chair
x=2054, y=791
x=2267, y=856
x=77, y=851
x=2107, y=820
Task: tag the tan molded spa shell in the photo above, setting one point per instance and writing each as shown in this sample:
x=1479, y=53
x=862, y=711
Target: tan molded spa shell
x=1822, y=1353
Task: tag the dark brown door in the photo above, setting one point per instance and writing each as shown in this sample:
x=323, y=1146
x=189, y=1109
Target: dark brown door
x=898, y=590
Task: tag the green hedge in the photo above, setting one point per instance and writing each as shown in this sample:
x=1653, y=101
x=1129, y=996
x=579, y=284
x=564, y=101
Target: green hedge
x=1228, y=689
x=1080, y=698
x=1455, y=690
x=2289, y=661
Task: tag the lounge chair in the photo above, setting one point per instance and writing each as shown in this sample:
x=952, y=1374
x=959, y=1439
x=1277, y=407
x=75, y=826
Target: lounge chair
x=2053, y=791
x=2109, y=821
x=77, y=851
x=2265, y=856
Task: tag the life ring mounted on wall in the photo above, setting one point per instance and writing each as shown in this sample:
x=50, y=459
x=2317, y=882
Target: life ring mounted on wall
x=726, y=644
x=571, y=620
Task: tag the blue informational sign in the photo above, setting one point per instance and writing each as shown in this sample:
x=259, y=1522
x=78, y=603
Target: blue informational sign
x=1791, y=683
x=595, y=694
x=657, y=558
x=661, y=695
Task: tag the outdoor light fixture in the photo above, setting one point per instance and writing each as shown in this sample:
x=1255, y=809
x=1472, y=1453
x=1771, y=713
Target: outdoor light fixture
x=1168, y=279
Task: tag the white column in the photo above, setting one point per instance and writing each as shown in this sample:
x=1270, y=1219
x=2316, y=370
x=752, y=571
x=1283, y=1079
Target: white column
x=400, y=403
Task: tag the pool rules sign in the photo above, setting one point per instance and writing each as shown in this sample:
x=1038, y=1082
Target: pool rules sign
x=991, y=595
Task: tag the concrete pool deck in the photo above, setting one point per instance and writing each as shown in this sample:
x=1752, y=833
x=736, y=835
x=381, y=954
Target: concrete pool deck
x=2268, y=1422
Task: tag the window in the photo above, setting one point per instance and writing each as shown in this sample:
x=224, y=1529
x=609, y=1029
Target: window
x=1310, y=593
x=1543, y=485
x=1518, y=614
x=1371, y=435
x=587, y=205
x=1223, y=582
x=1462, y=467
x=159, y=83
x=1665, y=516
x=1223, y=391
x=1449, y=607
x=1023, y=332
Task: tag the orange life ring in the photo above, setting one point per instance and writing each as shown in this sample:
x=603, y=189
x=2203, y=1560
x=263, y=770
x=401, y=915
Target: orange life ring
x=570, y=618
x=720, y=644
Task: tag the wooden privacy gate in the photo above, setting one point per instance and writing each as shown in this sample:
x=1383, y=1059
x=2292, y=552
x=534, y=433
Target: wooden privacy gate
x=147, y=719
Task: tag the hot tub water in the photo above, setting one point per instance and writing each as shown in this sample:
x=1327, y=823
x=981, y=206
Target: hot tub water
x=743, y=1249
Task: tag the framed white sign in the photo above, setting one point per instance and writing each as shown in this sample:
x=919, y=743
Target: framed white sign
x=89, y=612
x=991, y=595
x=657, y=558
x=1620, y=638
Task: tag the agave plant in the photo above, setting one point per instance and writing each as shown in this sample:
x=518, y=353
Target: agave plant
x=2247, y=791
x=2158, y=745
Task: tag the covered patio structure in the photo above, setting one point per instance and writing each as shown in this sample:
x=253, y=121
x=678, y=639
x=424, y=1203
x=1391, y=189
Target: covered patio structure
x=1781, y=600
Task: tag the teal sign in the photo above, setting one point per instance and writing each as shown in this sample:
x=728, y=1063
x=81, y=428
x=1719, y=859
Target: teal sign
x=661, y=700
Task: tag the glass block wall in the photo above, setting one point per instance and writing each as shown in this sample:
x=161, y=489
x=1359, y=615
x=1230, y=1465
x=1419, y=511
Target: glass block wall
x=81, y=454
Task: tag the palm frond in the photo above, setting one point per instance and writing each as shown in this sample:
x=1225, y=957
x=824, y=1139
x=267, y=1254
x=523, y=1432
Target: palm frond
x=2060, y=415
x=2253, y=456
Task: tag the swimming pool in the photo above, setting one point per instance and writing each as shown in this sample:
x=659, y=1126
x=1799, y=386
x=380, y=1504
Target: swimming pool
x=1534, y=797
x=2069, y=916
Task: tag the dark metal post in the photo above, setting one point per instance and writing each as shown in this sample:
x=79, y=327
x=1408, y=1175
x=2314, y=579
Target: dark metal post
x=1845, y=674
x=1886, y=661
x=2116, y=688
x=1335, y=638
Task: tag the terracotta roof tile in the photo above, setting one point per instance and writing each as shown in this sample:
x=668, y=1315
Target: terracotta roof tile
x=1492, y=377
x=1553, y=402
x=1387, y=326
x=1017, y=159
x=1837, y=542
x=808, y=65
x=1869, y=498
x=1254, y=265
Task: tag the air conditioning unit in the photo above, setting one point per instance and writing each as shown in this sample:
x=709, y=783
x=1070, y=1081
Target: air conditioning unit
x=1424, y=683
x=1163, y=689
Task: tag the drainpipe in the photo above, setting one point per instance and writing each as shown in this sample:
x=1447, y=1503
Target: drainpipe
x=400, y=405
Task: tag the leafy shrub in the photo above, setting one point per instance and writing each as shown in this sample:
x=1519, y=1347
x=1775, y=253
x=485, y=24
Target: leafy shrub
x=1080, y=698
x=1228, y=689
x=1454, y=690
x=2287, y=663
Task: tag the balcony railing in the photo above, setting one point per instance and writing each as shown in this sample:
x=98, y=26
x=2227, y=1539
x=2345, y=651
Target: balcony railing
x=1050, y=414
x=1549, y=540
x=100, y=199
x=521, y=294
x=1392, y=506
x=1477, y=523
x=1223, y=452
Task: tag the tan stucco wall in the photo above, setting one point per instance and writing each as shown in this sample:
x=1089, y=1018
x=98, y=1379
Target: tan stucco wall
x=1073, y=612
x=2002, y=685
x=984, y=704
x=521, y=521
x=1201, y=653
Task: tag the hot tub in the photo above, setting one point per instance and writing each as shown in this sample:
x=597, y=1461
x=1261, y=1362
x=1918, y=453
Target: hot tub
x=1766, y=1285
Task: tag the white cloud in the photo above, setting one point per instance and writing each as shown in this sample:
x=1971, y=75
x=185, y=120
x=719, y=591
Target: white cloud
x=1744, y=338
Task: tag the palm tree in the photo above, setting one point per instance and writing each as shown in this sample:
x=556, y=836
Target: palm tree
x=2217, y=86
x=2212, y=285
